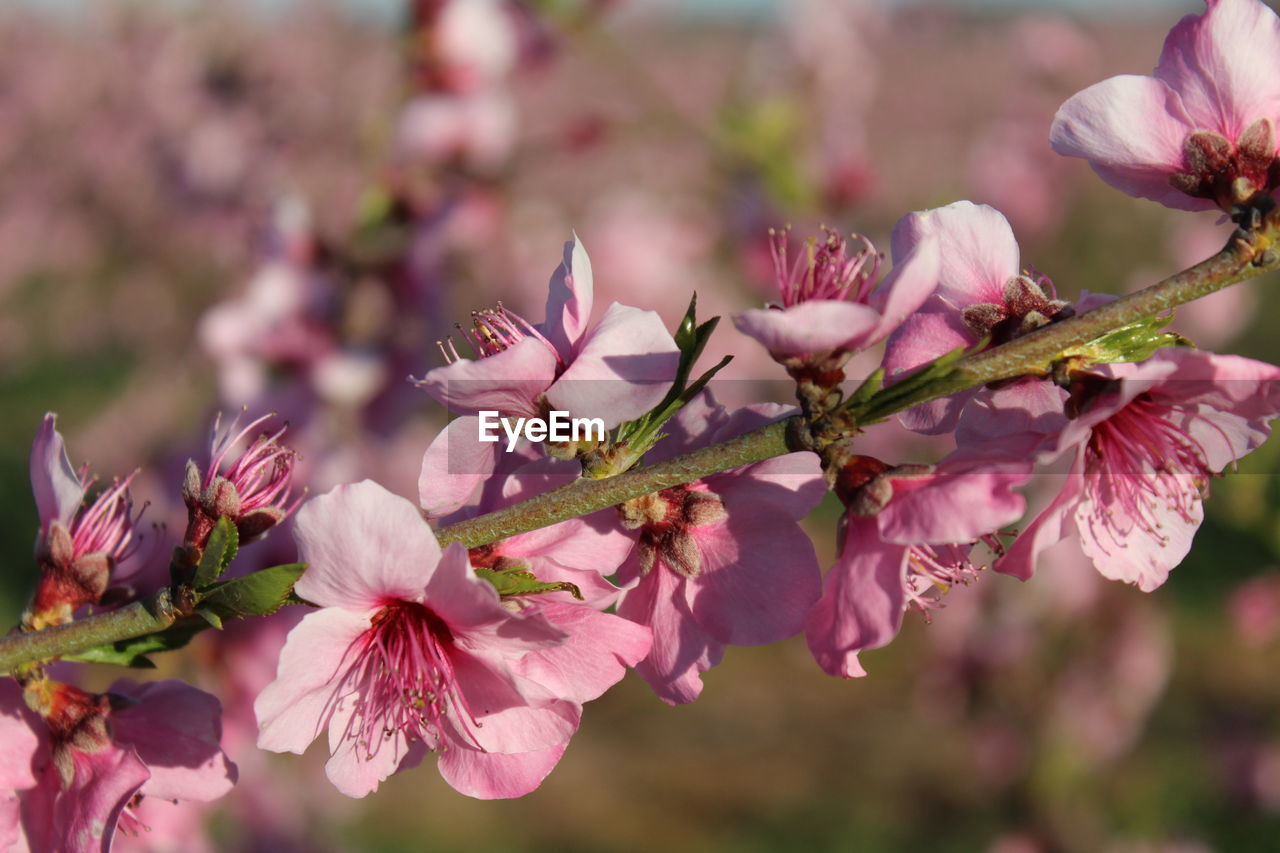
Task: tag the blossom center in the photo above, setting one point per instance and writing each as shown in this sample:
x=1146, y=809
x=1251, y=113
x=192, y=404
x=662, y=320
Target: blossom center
x=1229, y=174
x=493, y=330
x=403, y=681
x=824, y=269
x=1148, y=465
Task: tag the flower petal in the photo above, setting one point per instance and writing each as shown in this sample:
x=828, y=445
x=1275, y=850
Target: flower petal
x=569, y=298
x=497, y=775
x=977, y=252
x=365, y=546
x=453, y=466
x=822, y=325
x=57, y=487
x=510, y=382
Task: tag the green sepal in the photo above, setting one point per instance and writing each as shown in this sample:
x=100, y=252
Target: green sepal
x=521, y=581
x=210, y=616
x=870, y=403
x=218, y=553
x=259, y=594
x=134, y=652
x=1134, y=342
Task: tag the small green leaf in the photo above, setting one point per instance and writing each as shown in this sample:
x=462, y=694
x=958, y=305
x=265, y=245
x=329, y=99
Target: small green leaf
x=218, y=553
x=520, y=581
x=1137, y=341
x=259, y=594
x=210, y=616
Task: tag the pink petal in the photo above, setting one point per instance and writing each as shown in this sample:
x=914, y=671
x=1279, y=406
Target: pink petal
x=56, y=485
x=792, y=484
x=976, y=248
x=862, y=600
x=957, y=504
x=470, y=606
x=913, y=279
x=509, y=382
x=18, y=738
x=515, y=714
x=497, y=776
x=1046, y=530
x=596, y=542
x=925, y=335
x=1123, y=547
x=624, y=367
x=364, y=546
x=1020, y=415
x=595, y=656
x=294, y=709
x=82, y=818
x=356, y=768
x=1224, y=66
x=176, y=731
x=823, y=325
x=569, y=298
x=681, y=649
x=759, y=577
x=1131, y=129
x=453, y=467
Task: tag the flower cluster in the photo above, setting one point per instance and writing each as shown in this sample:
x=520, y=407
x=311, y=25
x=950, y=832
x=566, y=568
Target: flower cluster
x=477, y=623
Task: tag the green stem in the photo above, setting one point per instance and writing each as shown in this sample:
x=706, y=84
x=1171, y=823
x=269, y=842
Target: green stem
x=133, y=620
x=1246, y=255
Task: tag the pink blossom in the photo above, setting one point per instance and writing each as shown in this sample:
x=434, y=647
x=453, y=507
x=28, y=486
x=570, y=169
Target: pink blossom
x=1200, y=133
x=829, y=303
x=721, y=561
x=983, y=293
x=79, y=548
x=616, y=368
x=1144, y=448
x=905, y=539
x=85, y=761
x=410, y=652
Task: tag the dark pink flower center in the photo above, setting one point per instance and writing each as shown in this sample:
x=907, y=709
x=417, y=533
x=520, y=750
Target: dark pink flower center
x=666, y=521
x=823, y=269
x=404, y=682
x=1152, y=465
x=262, y=475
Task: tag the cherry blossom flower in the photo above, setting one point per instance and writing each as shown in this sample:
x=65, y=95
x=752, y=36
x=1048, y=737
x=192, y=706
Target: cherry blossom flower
x=80, y=549
x=410, y=651
x=1144, y=446
x=1198, y=134
x=720, y=561
x=983, y=294
x=829, y=303
x=616, y=368
x=81, y=763
x=904, y=539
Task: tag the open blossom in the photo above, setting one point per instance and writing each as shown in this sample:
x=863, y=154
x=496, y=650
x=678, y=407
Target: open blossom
x=982, y=293
x=904, y=539
x=1144, y=447
x=78, y=764
x=410, y=652
x=829, y=304
x=1200, y=133
x=253, y=489
x=720, y=561
x=616, y=368
x=79, y=548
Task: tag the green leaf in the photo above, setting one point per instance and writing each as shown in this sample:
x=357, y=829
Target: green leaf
x=218, y=553
x=521, y=581
x=259, y=594
x=1137, y=341
x=133, y=652
x=210, y=616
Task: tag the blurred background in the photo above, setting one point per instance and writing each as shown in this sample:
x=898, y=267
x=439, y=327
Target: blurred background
x=281, y=206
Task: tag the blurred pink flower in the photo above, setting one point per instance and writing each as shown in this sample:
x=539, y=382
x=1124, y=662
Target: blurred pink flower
x=1200, y=133
x=1254, y=607
x=721, y=561
x=1145, y=447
